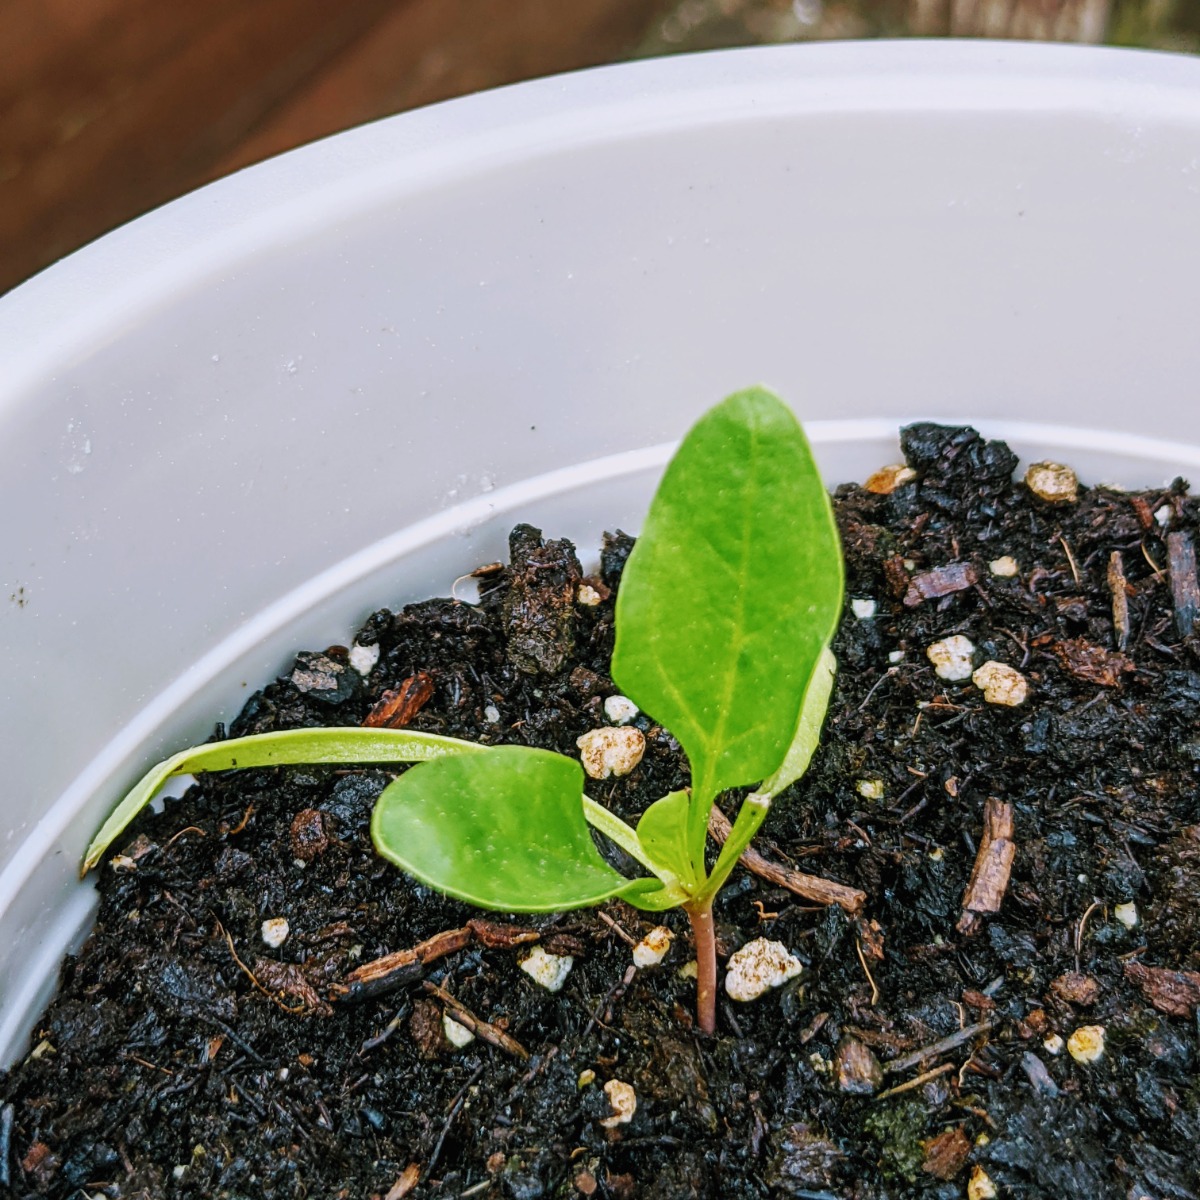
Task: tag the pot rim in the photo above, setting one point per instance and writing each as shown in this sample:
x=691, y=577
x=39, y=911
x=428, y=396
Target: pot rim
x=83, y=300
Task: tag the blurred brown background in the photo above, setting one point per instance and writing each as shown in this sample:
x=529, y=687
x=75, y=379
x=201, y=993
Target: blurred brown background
x=110, y=107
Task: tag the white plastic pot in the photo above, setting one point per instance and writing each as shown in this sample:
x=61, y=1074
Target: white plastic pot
x=235, y=426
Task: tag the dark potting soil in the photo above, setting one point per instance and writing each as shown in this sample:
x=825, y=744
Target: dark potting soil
x=185, y=1057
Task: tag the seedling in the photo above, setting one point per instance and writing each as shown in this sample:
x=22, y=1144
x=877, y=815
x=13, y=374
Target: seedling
x=724, y=616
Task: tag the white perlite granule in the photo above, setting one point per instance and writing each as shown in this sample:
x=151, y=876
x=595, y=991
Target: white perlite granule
x=951, y=657
x=611, y=751
x=275, y=931
x=1001, y=684
x=547, y=970
x=758, y=967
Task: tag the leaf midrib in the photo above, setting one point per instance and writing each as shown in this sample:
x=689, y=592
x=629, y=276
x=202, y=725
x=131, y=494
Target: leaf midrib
x=738, y=640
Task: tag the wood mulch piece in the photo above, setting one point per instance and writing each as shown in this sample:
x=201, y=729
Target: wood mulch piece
x=186, y=1057
x=1174, y=992
x=993, y=865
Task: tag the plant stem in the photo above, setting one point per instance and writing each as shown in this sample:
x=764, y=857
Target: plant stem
x=703, y=933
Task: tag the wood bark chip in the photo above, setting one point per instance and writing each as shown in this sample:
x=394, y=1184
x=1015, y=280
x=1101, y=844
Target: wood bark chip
x=492, y=1034
x=1145, y=514
x=406, y=966
x=1185, y=591
x=895, y=575
x=857, y=1069
x=395, y=709
x=1120, y=599
x=941, y=1046
x=941, y=581
x=307, y=835
x=811, y=887
x=1176, y=993
x=400, y=967
x=1074, y=987
x=946, y=1154
x=495, y=936
x=1092, y=663
x=426, y=1030
x=993, y=866
x=254, y=979
x=41, y=1164
x=871, y=935
x=289, y=979
x=977, y=1000
x=409, y=1178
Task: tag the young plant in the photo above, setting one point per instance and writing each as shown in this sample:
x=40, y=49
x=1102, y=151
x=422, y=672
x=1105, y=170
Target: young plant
x=725, y=612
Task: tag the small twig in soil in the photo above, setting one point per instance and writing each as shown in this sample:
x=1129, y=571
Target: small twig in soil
x=888, y=674
x=1120, y=599
x=813, y=1028
x=617, y=928
x=400, y=967
x=811, y=887
x=491, y=1034
x=941, y=1046
x=1185, y=591
x=993, y=865
x=150, y=1065
x=1062, y=541
x=190, y=829
x=916, y=1081
x=1158, y=571
x=862, y=834
x=540, y=1063
x=867, y=972
x=239, y=1042
x=244, y=821
x=254, y=978
x=731, y=1018
x=613, y=994
x=406, y=966
x=373, y=1042
x=455, y=1109
x=1095, y=904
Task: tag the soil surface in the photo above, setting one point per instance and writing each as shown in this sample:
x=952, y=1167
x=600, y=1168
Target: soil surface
x=920, y=1052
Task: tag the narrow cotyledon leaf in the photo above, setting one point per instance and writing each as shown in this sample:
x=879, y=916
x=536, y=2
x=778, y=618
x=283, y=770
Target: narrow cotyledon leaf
x=285, y=748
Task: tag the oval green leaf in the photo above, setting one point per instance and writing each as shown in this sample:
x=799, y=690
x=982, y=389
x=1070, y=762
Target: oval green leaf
x=503, y=829
x=663, y=834
x=287, y=747
x=730, y=594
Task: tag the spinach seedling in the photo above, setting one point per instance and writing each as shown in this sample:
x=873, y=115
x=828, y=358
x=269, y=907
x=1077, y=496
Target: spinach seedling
x=724, y=616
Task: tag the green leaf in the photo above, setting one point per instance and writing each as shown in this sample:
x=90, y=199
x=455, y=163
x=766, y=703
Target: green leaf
x=754, y=808
x=288, y=747
x=808, y=729
x=502, y=829
x=730, y=594
x=663, y=834
x=656, y=898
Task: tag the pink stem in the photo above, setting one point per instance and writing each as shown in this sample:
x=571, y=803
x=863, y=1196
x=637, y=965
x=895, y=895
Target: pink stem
x=704, y=935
